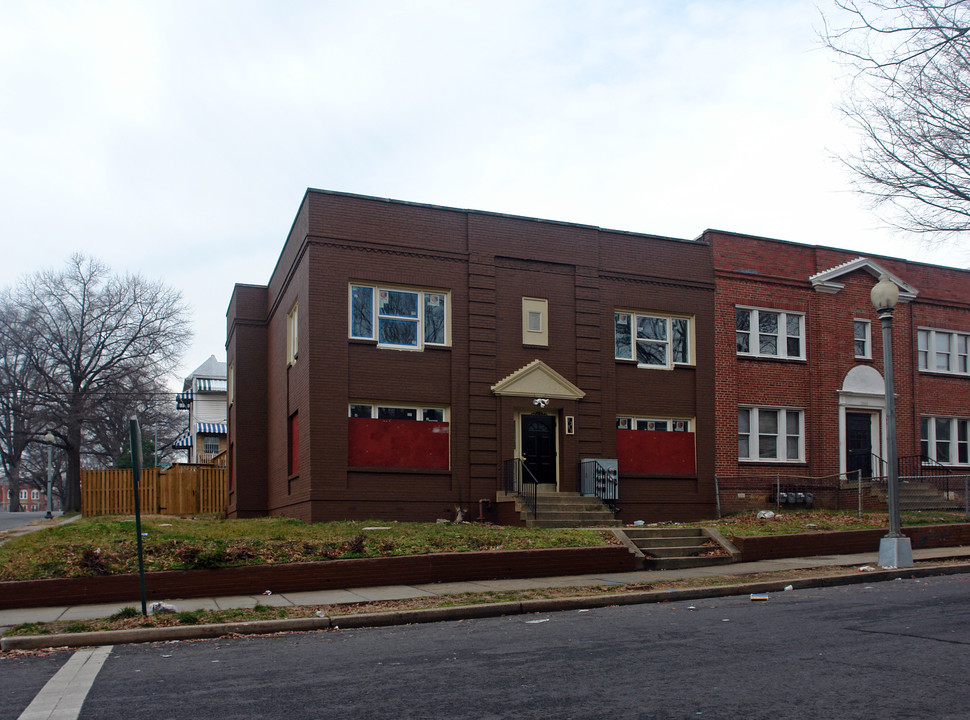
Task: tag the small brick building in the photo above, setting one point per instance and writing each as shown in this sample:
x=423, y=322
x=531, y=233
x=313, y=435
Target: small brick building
x=402, y=353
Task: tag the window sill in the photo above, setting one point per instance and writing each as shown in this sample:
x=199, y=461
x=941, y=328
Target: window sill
x=945, y=374
x=783, y=463
x=771, y=358
x=400, y=470
x=404, y=348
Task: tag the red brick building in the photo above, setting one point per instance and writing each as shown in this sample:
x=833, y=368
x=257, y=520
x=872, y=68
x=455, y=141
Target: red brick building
x=800, y=387
x=402, y=355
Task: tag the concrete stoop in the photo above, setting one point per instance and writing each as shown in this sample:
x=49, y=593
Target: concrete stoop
x=675, y=548
x=557, y=510
x=915, y=495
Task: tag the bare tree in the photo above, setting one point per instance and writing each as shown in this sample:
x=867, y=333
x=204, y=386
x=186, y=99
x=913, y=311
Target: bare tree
x=92, y=336
x=20, y=420
x=909, y=98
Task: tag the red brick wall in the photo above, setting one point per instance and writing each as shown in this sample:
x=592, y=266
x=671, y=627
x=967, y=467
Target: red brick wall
x=774, y=274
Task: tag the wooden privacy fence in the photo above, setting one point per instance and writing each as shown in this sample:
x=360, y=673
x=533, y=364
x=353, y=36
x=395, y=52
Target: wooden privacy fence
x=181, y=489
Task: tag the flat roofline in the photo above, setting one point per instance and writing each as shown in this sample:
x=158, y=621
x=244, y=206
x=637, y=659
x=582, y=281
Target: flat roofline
x=860, y=253
x=490, y=213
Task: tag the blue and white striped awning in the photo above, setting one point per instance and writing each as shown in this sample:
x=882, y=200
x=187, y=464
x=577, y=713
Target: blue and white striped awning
x=183, y=400
x=212, y=428
x=210, y=385
x=183, y=441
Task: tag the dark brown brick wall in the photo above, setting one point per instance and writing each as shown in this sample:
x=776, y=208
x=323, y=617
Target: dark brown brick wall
x=326, y=575
x=488, y=263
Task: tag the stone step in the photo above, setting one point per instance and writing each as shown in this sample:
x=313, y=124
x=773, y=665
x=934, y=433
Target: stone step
x=585, y=523
x=642, y=532
x=694, y=541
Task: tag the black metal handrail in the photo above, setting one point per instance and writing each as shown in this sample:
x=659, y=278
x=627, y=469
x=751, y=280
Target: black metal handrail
x=519, y=480
x=596, y=480
x=925, y=469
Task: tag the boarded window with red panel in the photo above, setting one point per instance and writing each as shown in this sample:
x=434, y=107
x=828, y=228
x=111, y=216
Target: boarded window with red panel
x=293, y=444
x=397, y=438
x=655, y=447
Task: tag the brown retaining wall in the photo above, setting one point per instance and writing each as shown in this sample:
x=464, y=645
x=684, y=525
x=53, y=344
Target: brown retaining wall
x=768, y=547
x=324, y=575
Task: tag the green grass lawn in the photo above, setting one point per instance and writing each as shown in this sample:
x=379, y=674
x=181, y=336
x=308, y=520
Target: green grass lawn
x=789, y=522
x=107, y=545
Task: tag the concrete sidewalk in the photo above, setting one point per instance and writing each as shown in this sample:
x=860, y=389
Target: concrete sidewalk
x=10, y=618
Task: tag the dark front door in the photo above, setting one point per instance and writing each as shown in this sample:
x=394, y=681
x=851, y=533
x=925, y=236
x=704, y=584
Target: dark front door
x=539, y=448
x=858, y=444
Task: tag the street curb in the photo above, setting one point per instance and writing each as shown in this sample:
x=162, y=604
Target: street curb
x=460, y=612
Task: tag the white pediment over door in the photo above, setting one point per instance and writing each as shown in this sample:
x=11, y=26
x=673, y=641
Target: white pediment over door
x=538, y=380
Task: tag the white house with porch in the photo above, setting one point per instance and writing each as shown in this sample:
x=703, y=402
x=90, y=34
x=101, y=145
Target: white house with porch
x=204, y=397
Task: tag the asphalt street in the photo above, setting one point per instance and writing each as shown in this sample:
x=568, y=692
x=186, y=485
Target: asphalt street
x=9, y=520
x=895, y=649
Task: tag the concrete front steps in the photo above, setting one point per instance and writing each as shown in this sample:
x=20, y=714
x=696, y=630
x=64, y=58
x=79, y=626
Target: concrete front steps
x=563, y=510
x=915, y=495
x=674, y=548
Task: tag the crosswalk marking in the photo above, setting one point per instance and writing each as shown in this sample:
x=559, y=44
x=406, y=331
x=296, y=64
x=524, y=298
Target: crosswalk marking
x=62, y=696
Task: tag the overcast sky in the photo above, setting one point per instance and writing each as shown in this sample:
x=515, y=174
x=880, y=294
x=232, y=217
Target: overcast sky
x=176, y=139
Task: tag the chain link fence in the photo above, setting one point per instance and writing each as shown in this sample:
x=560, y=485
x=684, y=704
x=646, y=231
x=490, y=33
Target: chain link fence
x=943, y=492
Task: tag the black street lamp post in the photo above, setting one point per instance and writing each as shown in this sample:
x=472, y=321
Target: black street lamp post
x=895, y=549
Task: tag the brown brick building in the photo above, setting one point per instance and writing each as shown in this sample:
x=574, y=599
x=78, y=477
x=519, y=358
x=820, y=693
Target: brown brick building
x=402, y=354
x=403, y=357
x=800, y=389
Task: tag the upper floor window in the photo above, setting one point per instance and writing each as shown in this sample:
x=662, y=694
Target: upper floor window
x=861, y=333
x=231, y=382
x=292, y=334
x=771, y=434
x=945, y=440
x=399, y=317
x=943, y=351
x=535, y=321
x=652, y=340
x=770, y=333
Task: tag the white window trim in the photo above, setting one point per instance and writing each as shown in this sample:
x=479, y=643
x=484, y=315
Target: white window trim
x=754, y=345
x=867, y=340
x=421, y=292
x=931, y=353
x=419, y=410
x=292, y=333
x=633, y=421
x=782, y=437
x=668, y=342
x=953, y=442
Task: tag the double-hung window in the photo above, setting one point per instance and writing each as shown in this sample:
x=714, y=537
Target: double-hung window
x=943, y=351
x=770, y=333
x=945, y=440
x=292, y=334
x=658, y=341
x=397, y=317
x=861, y=334
x=771, y=434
